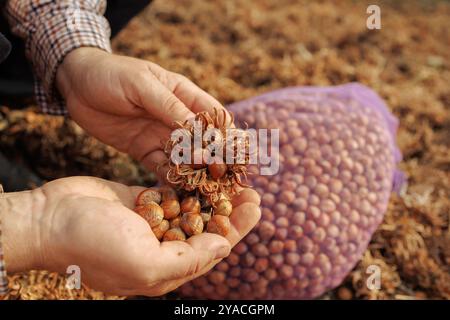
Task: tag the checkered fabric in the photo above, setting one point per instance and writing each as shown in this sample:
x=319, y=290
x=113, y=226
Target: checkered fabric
x=51, y=30
x=3, y=278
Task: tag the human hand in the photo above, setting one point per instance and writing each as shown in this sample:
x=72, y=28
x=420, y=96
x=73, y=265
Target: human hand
x=89, y=222
x=128, y=103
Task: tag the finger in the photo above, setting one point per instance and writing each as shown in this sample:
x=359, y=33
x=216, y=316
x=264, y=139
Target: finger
x=180, y=259
x=197, y=99
x=169, y=286
x=243, y=219
x=246, y=195
x=161, y=102
x=149, y=135
x=156, y=161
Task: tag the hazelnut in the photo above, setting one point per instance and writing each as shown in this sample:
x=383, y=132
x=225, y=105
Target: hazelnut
x=251, y=239
x=261, y=264
x=174, y=234
x=290, y=245
x=276, y=260
x=223, y=208
x=151, y=212
x=171, y=208
x=233, y=259
x=217, y=170
x=222, y=266
x=287, y=197
x=248, y=259
x=190, y=204
x=235, y=271
x=260, y=250
x=191, y=223
x=240, y=248
x=147, y=196
x=175, y=222
x=249, y=275
x=233, y=282
x=160, y=229
x=266, y=230
x=270, y=274
x=219, y=224
x=276, y=246
x=216, y=277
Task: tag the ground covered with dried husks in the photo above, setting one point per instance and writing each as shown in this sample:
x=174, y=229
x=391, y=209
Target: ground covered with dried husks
x=238, y=49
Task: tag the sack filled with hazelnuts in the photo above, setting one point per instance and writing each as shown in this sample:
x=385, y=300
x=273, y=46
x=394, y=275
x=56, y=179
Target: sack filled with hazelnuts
x=337, y=161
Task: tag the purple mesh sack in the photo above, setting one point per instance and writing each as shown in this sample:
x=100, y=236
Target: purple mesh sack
x=337, y=169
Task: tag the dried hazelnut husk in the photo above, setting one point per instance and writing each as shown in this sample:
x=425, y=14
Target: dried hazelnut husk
x=147, y=196
x=218, y=177
x=190, y=204
x=171, y=208
x=151, y=212
x=174, y=234
x=160, y=229
x=219, y=224
x=191, y=223
x=223, y=208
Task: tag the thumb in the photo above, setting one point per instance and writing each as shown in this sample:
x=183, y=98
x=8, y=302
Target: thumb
x=162, y=103
x=187, y=258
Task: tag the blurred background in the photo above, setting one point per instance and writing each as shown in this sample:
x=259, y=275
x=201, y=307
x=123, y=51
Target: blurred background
x=238, y=49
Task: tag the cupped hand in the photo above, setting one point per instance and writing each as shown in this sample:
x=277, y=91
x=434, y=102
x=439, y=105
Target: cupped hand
x=89, y=222
x=128, y=103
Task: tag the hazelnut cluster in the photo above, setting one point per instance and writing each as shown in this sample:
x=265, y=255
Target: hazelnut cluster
x=319, y=211
x=178, y=216
x=212, y=176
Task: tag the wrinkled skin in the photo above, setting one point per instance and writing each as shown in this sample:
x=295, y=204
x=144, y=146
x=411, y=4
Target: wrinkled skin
x=89, y=222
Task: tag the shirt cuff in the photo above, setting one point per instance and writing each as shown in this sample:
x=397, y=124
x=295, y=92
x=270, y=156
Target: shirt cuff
x=52, y=40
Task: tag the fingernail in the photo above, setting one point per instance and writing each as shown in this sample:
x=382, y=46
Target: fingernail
x=222, y=252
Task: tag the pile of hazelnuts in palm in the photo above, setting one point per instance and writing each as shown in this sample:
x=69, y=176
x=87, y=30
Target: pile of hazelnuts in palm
x=197, y=196
x=176, y=215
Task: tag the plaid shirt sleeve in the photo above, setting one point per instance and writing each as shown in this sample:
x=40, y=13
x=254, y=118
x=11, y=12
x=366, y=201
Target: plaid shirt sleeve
x=52, y=29
x=3, y=277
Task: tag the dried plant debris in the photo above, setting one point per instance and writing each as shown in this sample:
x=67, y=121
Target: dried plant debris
x=238, y=49
x=37, y=285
